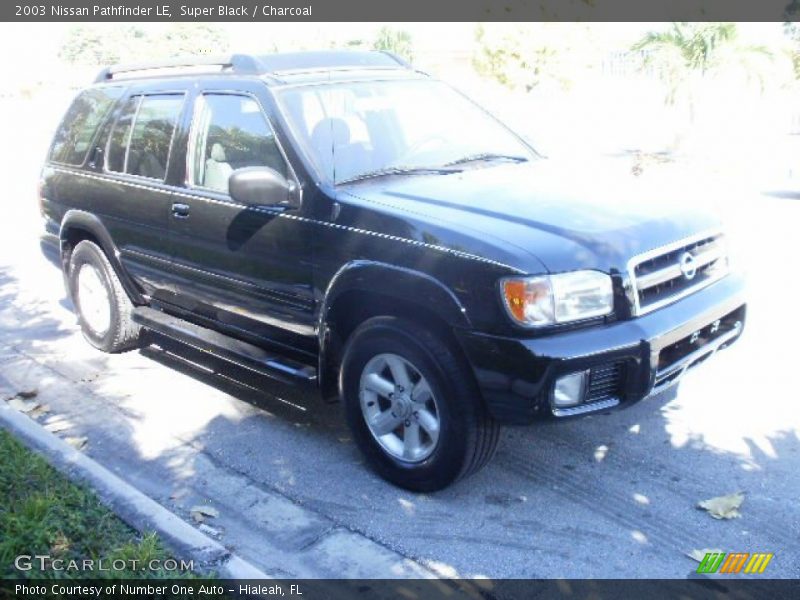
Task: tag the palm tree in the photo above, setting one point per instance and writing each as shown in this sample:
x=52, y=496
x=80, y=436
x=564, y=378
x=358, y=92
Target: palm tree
x=687, y=52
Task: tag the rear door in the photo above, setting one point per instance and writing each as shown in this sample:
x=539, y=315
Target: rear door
x=68, y=185
x=133, y=198
x=248, y=268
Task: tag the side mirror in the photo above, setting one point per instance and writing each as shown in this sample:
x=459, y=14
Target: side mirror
x=262, y=186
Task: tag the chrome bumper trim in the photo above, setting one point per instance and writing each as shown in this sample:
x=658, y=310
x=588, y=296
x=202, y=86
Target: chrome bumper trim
x=672, y=374
x=586, y=408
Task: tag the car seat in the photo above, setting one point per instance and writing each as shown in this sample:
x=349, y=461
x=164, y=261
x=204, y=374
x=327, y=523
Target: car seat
x=218, y=170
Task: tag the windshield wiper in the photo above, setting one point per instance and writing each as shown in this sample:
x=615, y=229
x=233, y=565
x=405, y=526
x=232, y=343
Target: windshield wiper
x=486, y=156
x=400, y=171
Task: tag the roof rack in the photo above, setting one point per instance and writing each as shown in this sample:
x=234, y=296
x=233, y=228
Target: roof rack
x=267, y=64
x=242, y=64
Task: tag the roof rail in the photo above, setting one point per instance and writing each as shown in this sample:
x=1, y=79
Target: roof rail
x=268, y=64
x=242, y=64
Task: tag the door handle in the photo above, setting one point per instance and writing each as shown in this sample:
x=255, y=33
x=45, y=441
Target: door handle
x=180, y=211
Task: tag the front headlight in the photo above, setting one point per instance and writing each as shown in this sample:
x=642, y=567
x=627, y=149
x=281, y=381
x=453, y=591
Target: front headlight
x=562, y=298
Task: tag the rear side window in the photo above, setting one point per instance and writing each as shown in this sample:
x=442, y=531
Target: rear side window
x=121, y=135
x=142, y=136
x=76, y=132
x=230, y=133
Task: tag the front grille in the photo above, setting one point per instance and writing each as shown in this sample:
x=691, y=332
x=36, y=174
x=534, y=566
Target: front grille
x=667, y=274
x=605, y=381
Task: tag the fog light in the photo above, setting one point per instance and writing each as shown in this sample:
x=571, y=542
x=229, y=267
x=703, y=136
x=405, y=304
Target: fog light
x=570, y=389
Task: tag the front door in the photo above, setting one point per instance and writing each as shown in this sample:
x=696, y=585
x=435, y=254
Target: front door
x=248, y=268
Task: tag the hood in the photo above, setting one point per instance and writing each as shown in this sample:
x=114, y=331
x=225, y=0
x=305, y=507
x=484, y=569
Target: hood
x=562, y=217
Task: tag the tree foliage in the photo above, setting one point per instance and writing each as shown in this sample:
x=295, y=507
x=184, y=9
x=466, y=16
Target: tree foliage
x=528, y=56
x=102, y=45
x=687, y=52
x=397, y=41
x=696, y=45
x=792, y=31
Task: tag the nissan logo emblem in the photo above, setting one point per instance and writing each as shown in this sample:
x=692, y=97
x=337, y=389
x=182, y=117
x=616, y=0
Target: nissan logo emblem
x=687, y=265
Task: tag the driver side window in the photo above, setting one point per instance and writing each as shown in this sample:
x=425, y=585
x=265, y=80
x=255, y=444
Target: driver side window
x=230, y=132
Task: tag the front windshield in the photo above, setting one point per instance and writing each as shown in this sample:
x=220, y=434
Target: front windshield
x=354, y=130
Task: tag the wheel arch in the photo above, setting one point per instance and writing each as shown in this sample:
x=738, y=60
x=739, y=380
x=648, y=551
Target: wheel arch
x=359, y=291
x=77, y=226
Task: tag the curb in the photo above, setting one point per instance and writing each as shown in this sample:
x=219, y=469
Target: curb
x=265, y=528
x=131, y=505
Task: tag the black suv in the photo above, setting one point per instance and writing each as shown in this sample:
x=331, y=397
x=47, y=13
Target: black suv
x=341, y=220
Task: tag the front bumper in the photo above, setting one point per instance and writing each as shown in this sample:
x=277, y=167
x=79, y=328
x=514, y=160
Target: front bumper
x=629, y=360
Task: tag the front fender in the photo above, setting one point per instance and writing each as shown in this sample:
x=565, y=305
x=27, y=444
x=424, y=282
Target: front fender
x=79, y=221
x=399, y=283
x=396, y=284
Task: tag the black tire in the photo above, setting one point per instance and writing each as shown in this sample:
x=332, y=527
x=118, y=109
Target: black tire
x=468, y=436
x=122, y=333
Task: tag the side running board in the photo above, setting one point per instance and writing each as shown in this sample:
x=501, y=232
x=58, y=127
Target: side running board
x=223, y=346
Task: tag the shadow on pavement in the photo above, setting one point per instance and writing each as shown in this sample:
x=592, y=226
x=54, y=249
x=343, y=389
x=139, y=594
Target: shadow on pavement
x=29, y=321
x=613, y=494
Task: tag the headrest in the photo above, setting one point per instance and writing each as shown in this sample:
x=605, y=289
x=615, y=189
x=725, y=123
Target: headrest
x=218, y=153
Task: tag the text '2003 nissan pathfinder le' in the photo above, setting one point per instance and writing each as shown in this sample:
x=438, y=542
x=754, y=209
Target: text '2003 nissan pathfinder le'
x=340, y=220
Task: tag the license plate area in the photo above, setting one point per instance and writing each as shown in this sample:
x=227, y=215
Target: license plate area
x=676, y=358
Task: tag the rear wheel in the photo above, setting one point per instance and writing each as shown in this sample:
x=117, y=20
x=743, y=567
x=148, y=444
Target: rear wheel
x=105, y=313
x=413, y=407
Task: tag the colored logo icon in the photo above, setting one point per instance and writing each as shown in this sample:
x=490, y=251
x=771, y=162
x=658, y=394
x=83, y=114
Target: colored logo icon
x=732, y=563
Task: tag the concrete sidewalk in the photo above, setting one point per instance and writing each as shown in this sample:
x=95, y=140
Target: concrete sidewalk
x=279, y=537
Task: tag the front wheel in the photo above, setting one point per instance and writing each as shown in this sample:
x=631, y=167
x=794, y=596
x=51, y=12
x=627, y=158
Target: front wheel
x=413, y=407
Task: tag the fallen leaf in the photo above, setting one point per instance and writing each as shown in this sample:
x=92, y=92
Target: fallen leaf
x=57, y=426
x=724, y=507
x=40, y=410
x=76, y=442
x=600, y=453
x=699, y=555
x=61, y=544
x=208, y=511
x=200, y=512
x=25, y=406
x=209, y=530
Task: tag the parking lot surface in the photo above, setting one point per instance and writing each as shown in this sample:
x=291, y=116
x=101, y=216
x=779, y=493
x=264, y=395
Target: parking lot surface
x=606, y=496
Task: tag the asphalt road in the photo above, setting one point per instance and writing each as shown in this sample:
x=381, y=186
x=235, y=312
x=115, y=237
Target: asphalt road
x=605, y=496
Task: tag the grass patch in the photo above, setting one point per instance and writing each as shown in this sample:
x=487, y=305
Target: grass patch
x=44, y=513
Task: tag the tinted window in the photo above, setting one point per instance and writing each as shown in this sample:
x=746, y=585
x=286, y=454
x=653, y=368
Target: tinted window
x=353, y=129
x=151, y=137
x=118, y=142
x=231, y=132
x=74, y=136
